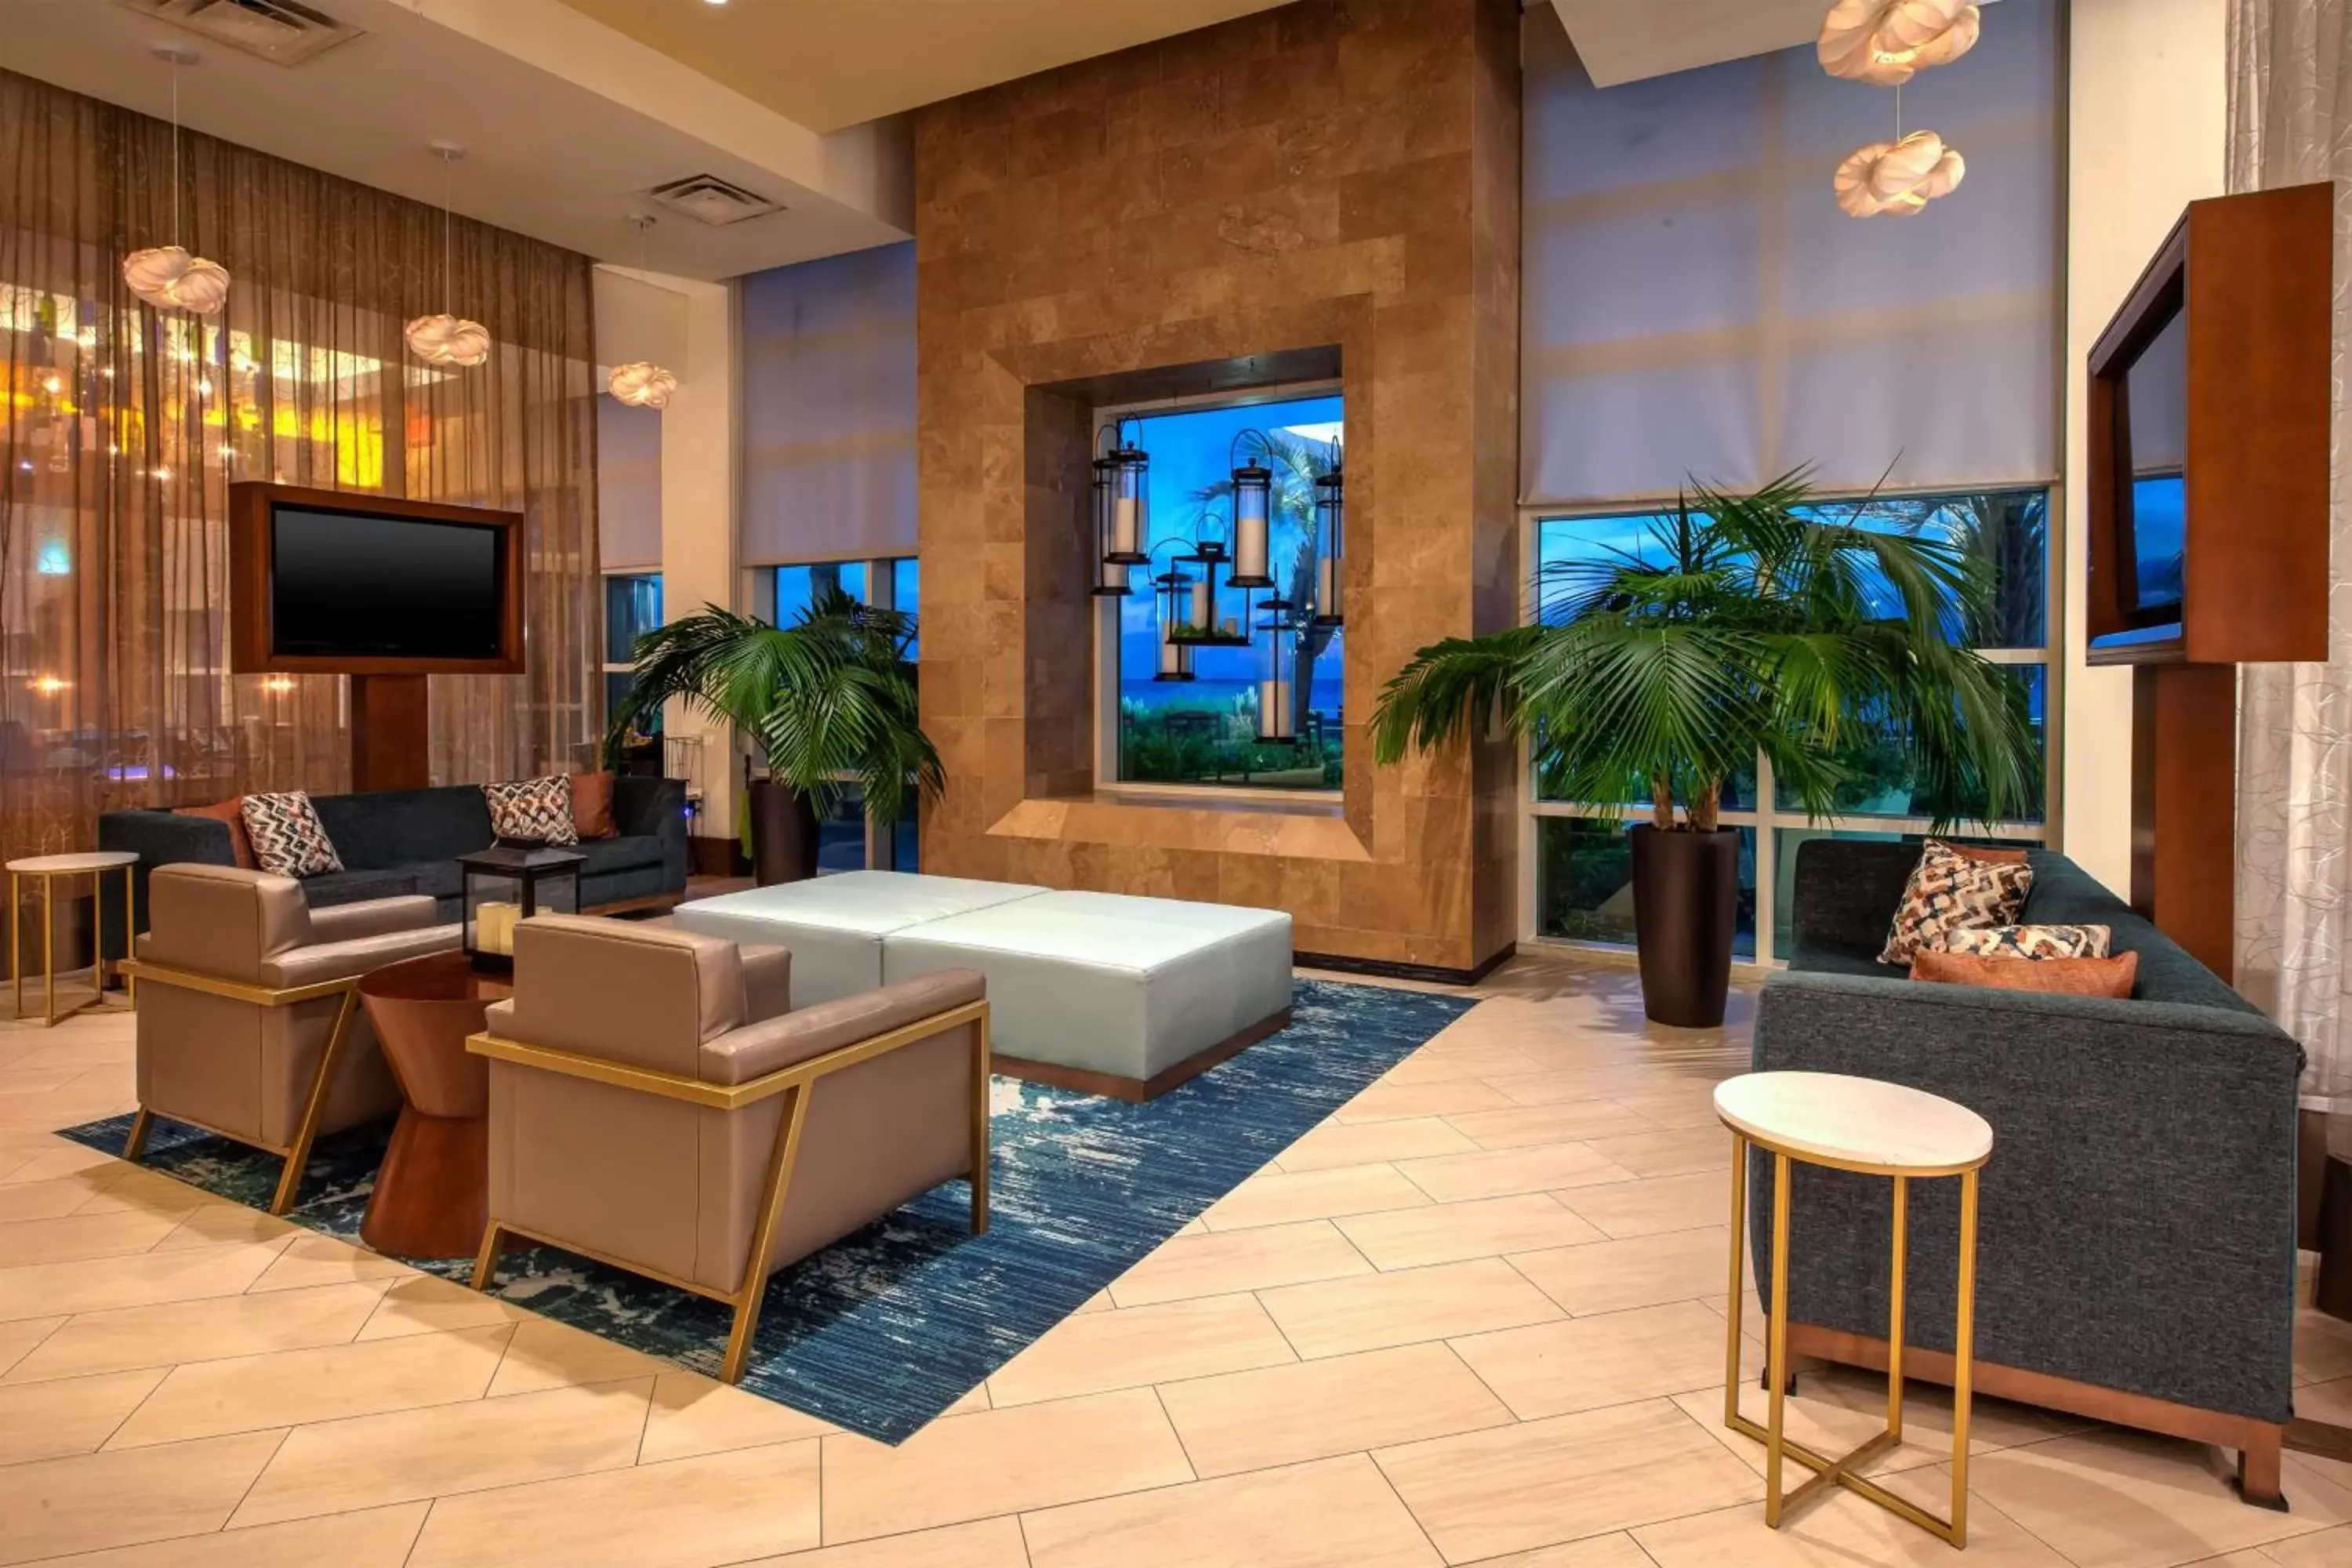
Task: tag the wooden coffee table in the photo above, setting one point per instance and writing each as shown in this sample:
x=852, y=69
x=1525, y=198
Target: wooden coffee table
x=432, y=1193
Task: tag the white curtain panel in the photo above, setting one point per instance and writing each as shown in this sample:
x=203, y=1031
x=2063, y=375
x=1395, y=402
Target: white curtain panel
x=2290, y=123
x=1695, y=304
x=829, y=408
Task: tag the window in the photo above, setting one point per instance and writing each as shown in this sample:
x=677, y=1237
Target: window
x=633, y=607
x=846, y=841
x=1580, y=865
x=1204, y=731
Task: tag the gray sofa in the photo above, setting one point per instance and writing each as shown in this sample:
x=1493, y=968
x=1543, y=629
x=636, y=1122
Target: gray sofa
x=2137, y=1256
x=402, y=842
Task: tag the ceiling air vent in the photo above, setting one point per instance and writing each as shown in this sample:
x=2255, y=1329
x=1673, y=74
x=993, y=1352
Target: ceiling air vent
x=707, y=198
x=283, y=32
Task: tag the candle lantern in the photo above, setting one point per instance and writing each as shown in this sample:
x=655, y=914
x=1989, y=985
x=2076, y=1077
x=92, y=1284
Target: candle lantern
x=507, y=884
x=1127, y=536
x=1175, y=601
x=1110, y=570
x=1277, y=707
x=1253, y=499
x=1330, y=549
x=1203, y=622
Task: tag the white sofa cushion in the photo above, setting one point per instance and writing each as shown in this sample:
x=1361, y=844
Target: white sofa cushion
x=834, y=925
x=1106, y=982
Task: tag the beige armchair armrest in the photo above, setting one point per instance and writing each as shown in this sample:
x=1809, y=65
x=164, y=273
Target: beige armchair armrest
x=374, y=917
x=766, y=982
x=755, y=1050
x=340, y=960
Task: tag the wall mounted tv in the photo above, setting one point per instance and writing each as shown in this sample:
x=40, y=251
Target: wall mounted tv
x=2209, y=414
x=327, y=581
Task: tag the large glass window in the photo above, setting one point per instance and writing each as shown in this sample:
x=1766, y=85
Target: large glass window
x=1581, y=870
x=1203, y=730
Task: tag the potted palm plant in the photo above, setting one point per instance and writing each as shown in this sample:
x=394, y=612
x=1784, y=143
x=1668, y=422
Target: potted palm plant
x=1739, y=626
x=829, y=700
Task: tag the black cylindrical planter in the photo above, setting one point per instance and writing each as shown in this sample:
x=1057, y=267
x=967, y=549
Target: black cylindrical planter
x=783, y=834
x=1685, y=903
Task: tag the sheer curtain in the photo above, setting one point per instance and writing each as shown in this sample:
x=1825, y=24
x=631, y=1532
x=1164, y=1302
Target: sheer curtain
x=124, y=427
x=2290, y=123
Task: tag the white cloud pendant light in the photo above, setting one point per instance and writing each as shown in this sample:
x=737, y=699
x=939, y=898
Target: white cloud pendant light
x=1888, y=42
x=443, y=337
x=642, y=385
x=1898, y=178
x=167, y=276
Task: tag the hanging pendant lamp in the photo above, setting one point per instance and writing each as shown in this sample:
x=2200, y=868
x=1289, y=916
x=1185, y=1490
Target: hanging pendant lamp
x=445, y=338
x=169, y=277
x=1898, y=179
x=1888, y=42
x=641, y=383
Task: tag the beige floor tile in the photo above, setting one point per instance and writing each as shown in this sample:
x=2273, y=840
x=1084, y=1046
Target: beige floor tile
x=544, y=1354
x=1842, y=1530
x=1281, y=1199
x=42, y=1290
x=693, y=1415
x=1337, y=1316
x=1361, y=1143
x=1386, y=1102
x=204, y=1330
x=57, y=1158
x=45, y=1200
x=1836, y=1409
x=2126, y=1499
x=1341, y=1405
x=379, y=1538
x=1096, y=1352
x=2321, y=1549
x=1562, y=1084
x=428, y=1304
x=69, y=1415
x=1551, y=1369
x=311, y=1260
x=1676, y=1109
x=1525, y=1126
x=1687, y=1152
x=1456, y=1178
x=1480, y=1228
x=73, y=1237
x=999, y=1461
x=1594, y=1552
x=2323, y=1346
x=286, y=1388
x=1540, y=1483
x=687, y=1513
x=20, y=1338
x=124, y=1186
x=1228, y=1261
x=1660, y=1203
x=1337, y=1513
x=1442, y=1063
x=1639, y=1271
x=94, y=1501
x=986, y=1543
x=974, y=1398
x=366, y=1461
x=211, y=1223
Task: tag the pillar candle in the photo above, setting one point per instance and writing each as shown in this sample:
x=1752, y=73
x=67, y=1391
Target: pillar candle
x=1122, y=525
x=1274, y=708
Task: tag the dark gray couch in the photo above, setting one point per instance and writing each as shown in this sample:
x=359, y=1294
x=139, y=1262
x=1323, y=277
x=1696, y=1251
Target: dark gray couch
x=408, y=841
x=2137, y=1233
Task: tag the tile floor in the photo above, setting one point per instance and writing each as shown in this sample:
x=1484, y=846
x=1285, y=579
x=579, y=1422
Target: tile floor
x=1473, y=1319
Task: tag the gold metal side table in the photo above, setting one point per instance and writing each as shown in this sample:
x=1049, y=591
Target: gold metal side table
x=1876, y=1130
x=95, y=865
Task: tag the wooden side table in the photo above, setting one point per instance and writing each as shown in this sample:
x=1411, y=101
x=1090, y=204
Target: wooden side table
x=1878, y=1129
x=432, y=1192
x=94, y=864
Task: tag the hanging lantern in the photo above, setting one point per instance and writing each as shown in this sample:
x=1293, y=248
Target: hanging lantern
x=1888, y=42
x=444, y=338
x=1330, y=551
x=1253, y=503
x=641, y=384
x=1206, y=625
x=1111, y=574
x=1898, y=178
x=1173, y=600
x=1277, y=707
x=1128, y=539
x=169, y=277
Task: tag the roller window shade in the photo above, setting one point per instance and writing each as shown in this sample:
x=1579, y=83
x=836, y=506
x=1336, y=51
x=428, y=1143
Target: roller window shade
x=628, y=486
x=1696, y=303
x=829, y=408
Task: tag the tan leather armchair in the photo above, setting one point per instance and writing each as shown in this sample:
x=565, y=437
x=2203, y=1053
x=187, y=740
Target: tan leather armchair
x=248, y=1018
x=655, y=1105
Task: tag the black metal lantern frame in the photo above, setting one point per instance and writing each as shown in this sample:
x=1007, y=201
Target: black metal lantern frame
x=509, y=884
x=1253, y=520
x=1122, y=497
x=1277, y=705
x=1172, y=591
x=1113, y=578
x=1330, y=548
x=1201, y=625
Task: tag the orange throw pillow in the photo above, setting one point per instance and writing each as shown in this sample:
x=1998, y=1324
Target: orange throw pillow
x=2065, y=976
x=241, y=843
x=1987, y=852
x=592, y=805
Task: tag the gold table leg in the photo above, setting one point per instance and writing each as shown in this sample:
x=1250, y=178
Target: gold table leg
x=16, y=939
x=48, y=951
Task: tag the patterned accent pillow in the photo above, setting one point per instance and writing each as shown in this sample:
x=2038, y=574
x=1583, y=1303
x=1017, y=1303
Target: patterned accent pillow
x=287, y=836
x=1952, y=890
x=533, y=811
x=2029, y=942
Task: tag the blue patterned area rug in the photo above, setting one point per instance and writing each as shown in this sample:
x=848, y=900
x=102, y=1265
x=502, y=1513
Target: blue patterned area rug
x=889, y=1326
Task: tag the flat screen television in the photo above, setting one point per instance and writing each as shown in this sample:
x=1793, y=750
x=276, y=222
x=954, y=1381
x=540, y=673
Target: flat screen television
x=328, y=581
x=2151, y=497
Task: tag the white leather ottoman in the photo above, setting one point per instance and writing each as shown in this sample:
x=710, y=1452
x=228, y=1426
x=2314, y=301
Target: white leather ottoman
x=835, y=926
x=1110, y=994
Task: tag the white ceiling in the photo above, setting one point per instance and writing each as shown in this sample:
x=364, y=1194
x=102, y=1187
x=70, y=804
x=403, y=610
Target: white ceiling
x=1625, y=40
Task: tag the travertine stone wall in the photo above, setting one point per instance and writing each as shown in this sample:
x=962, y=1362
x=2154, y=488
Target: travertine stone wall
x=1333, y=178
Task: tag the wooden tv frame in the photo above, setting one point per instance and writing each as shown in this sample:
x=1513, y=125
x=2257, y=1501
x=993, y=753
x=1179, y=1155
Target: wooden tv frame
x=2251, y=277
x=391, y=742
